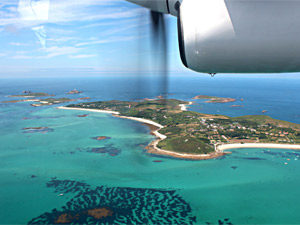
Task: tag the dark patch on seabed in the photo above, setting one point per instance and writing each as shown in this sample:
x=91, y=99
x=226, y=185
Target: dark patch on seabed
x=41, y=117
x=289, y=154
x=142, y=145
x=221, y=157
x=253, y=158
x=225, y=221
x=249, y=158
x=116, y=205
x=112, y=151
x=108, y=149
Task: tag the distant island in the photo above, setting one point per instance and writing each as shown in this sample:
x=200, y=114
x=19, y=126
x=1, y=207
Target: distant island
x=75, y=91
x=46, y=101
x=29, y=94
x=39, y=101
x=53, y=101
x=22, y=100
x=214, y=99
x=193, y=135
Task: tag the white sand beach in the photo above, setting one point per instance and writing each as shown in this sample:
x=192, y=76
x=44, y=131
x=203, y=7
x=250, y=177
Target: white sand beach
x=143, y=121
x=183, y=107
x=89, y=110
x=256, y=145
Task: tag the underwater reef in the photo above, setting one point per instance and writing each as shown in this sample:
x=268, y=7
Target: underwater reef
x=116, y=205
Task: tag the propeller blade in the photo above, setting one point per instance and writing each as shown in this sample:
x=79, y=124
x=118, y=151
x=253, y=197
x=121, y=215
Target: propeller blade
x=160, y=48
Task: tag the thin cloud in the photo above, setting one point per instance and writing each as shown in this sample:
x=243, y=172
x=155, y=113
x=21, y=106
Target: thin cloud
x=106, y=41
x=59, y=51
x=82, y=56
x=66, y=11
x=18, y=44
x=62, y=39
x=22, y=57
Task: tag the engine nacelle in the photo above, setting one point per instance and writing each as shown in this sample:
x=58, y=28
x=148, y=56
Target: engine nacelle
x=247, y=36
x=163, y=6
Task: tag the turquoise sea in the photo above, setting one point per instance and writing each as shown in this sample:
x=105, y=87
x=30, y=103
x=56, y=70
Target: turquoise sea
x=46, y=174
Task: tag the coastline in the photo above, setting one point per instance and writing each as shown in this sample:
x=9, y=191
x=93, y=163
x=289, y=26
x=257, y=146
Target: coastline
x=257, y=145
x=154, y=130
x=89, y=110
x=153, y=149
x=146, y=121
x=183, y=107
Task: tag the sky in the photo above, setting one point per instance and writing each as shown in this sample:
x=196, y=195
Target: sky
x=72, y=37
x=83, y=38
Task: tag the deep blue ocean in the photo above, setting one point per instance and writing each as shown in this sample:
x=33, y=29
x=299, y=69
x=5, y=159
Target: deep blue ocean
x=53, y=175
x=279, y=96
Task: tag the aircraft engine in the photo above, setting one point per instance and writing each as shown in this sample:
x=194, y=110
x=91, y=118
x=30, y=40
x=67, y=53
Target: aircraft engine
x=235, y=36
x=245, y=36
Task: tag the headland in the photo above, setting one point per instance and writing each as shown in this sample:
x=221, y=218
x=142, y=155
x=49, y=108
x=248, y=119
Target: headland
x=192, y=135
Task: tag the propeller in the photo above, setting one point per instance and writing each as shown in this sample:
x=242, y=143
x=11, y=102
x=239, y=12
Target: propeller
x=160, y=49
x=158, y=57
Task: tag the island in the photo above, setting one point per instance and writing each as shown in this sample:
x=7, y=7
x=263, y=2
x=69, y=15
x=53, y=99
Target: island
x=100, y=138
x=214, y=99
x=45, y=101
x=52, y=101
x=74, y=91
x=39, y=98
x=29, y=94
x=22, y=100
x=193, y=135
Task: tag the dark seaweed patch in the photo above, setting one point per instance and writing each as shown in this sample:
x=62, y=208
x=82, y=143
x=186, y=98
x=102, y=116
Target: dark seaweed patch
x=142, y=145
x=249, y=158
x=281, y=154
x=67, y=186
x=110, y=150
x=41, y=117
x=254, y=158
x=221, y=157
x=116, y=205
x=225, y=221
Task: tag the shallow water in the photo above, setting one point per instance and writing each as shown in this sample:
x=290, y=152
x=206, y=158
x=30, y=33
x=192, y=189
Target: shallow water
x=249, y=186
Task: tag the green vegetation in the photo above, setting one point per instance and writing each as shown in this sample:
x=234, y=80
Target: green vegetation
x=214, y=99
x=193, y=132
x=186, y=144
